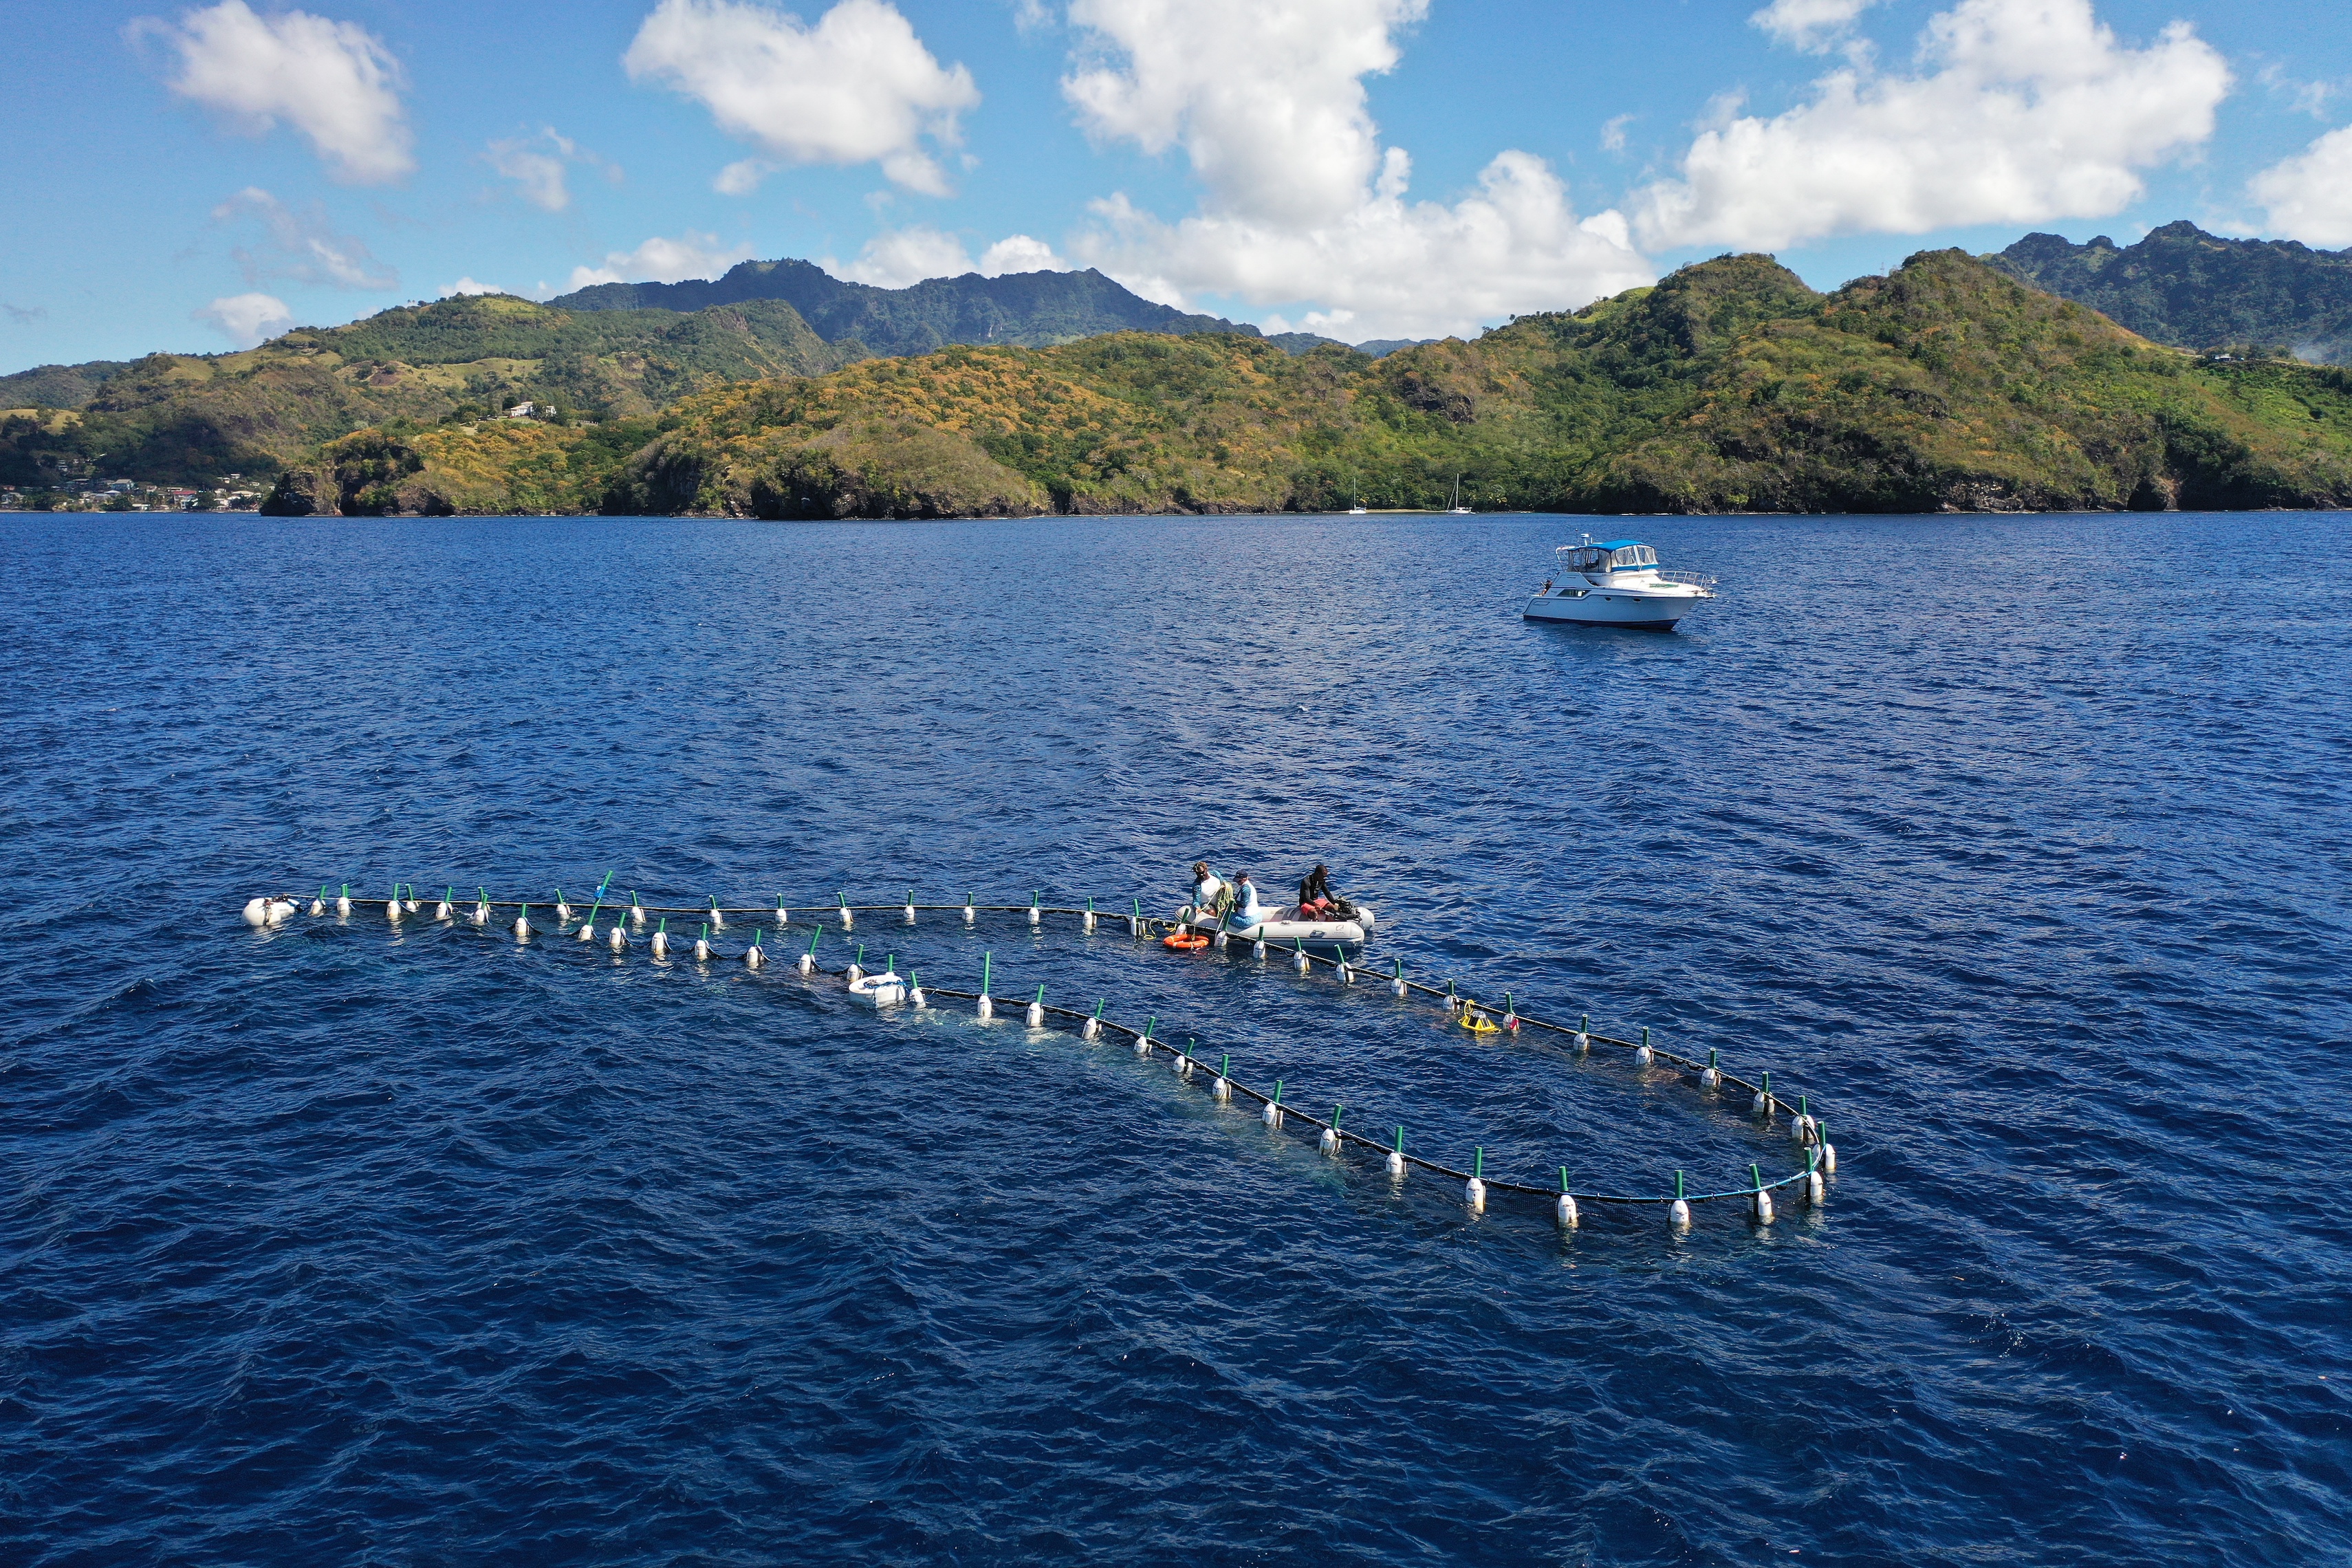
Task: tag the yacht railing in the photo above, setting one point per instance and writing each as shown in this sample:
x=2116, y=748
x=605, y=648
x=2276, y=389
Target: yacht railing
x=1688, y=579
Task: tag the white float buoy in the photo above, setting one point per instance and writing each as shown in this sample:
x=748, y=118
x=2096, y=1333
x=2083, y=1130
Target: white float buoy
x=755, y=955
x=717, y=920
x=1329, y=1144
x=1036, y=914
x=563, y=908
x=660, y=943
x=1642, y=1055
x=1034, y=1017
x=783, y=915
x=1584, y=1036
x=915, y=990
x=1143, y=1040
x=391, y=905
x=1092, y=1027
x=1298, y=959
x=1564, y=1211
x=481, y=906
x=970, y=914
x=1762, y=1104
x=319, y=904
x=1218, y=941
x=1257, y=950
x=1711, y=1076
x=636, y=910
x=409, y=903
x=441, y=910
x=1814, y=1190
x=256, y=912
x=587, y=932
x=1760, y=1203
x=1827, y=1151
x=1223, y=1089
x=1678, y=1216
x=522, y=924
x=702, y=945
x=343, y=901
x=1272, y=1114
x=847, y=920
x=1396, y=1157
x=1801, y=1128
x=910, y=906
x=853, y=975
x=1339, y=970
x=986, y=1009
x=1088, y=924
x=619, y=941
x=1396, y=985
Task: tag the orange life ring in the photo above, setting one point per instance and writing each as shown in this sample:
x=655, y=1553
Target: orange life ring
x=1185, y=941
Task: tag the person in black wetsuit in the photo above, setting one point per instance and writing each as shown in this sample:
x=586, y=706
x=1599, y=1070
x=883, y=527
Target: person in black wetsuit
x=1315, y=891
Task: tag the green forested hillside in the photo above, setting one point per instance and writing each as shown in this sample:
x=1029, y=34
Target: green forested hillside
x=1946, y=386
x=2183, y=286
x=189, y=417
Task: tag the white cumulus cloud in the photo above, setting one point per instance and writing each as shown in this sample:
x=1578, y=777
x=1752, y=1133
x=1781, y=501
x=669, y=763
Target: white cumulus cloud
x=2309, y=195
x=300, y=245
x=1300, y=204
x=333, y=81
x=857, y=87
x=539, y=165
x=660, y=260
x=468, y=286
x=247, y=318
x=2023, y=111
x=1810, y=24
x=898, y=257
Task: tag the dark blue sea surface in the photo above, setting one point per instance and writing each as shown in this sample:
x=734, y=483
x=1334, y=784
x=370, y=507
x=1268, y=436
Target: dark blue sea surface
x=2019, y=847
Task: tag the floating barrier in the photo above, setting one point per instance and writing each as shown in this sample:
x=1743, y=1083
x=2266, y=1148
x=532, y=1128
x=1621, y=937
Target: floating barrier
x=1806, y=1132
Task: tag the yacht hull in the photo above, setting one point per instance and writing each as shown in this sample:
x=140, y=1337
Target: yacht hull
x=1600, y=607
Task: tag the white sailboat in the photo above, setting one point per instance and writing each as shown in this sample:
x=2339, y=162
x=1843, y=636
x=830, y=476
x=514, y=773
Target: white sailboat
x=1457, y=509
x=1355, y=502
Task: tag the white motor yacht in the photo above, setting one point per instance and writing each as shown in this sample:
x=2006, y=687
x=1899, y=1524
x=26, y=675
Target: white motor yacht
x=1616, y=583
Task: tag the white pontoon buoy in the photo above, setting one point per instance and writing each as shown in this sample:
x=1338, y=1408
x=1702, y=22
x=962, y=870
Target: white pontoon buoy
x=1510, y=1015
x=343, y=901
x=256, y=912
x=1135, y=921
x=1801, y=1126
x=1257, y=950
x=1339, y=970
x=847, y=920
x=409, y=897
x=1396, y=1157
x=636, y=910
x=441, y=910
x=587, y=932
x=856, y=970
x=1089, y=923
x=392, y=910
x=1828, y=1151
x=1396, y=985
x=1272, y=1114
x=910, y=906
x=1035, y=1017
x=1564, y=1211
x=1036, y=914
x=1814, y=1190
x=1298, y=960
x=717, y=920
x=783, y=916
x=1330, y=1143
x=1473, y=1191
x=1642, y=1055
x=1184, y=1057
x=970, y=914
x=1678, y=1212
x=1760, y=1203
x=1218, y=941
x=481, y=906
x=1223, y=1090
x=1143, y=1040
x=319, y=904
x=807, y=962
x=1762, y=1104
x=755, y=955
x=1711, y=1075
x=915, y=989
x=1092, y=1027
x=619, y=941
x=1584, y=1035
x=702, y=944
x=563, y=909
x=660, y=943
x=986, y=1008
x=523, y=924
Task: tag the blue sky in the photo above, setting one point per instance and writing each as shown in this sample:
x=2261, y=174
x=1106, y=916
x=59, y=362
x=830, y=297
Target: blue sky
x=191, y=178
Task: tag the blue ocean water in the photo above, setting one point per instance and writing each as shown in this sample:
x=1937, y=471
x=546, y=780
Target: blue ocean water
x=2018, y=846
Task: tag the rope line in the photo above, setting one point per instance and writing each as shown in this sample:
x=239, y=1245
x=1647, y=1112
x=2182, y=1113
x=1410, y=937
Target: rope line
x=1142, y=926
